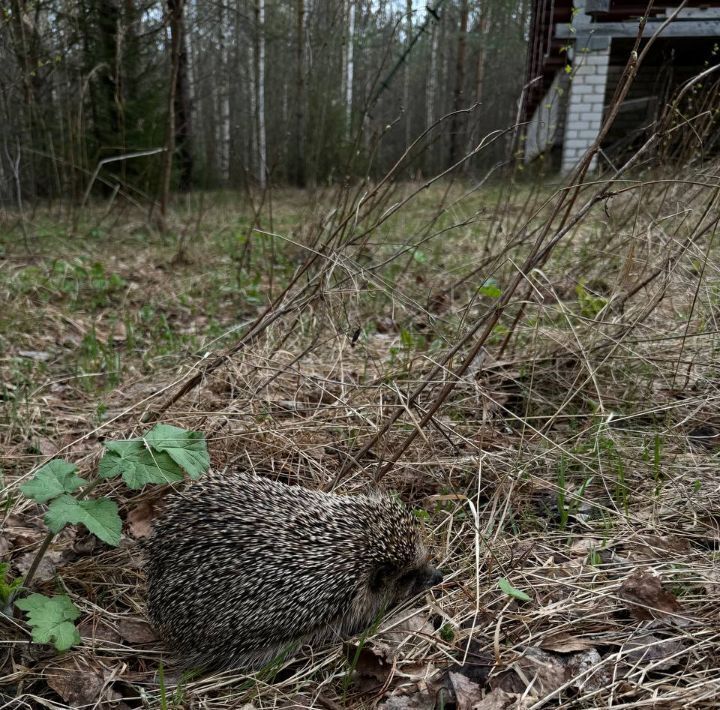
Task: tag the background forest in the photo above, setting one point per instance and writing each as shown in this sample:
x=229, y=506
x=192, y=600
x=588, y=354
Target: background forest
x=294, y=93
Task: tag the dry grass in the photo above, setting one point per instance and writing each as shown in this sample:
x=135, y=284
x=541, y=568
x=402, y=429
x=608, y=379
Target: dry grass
x=576, y=457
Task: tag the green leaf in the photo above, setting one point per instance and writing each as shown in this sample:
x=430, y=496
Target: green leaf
x=138, y=464
x=50, y=619
x=490, y=289
x=186, y=448
x=99, y=516
x=54, y=478
x=7, y=588
x=508, y=589
x=406, y=339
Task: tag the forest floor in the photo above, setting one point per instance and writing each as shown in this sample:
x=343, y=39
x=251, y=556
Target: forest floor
x=569, y=479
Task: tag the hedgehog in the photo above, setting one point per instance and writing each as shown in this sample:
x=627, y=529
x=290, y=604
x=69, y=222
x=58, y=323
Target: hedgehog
x=242, y=570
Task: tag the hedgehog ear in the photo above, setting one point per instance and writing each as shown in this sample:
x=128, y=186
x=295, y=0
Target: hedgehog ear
x=382, y=576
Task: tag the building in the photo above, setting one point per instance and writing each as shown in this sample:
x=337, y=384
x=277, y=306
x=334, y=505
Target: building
x=576, y=57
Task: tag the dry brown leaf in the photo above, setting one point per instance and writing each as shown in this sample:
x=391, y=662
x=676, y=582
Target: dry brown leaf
x=552, y=671
x=46, y=569
x=136, y=631
x=140, y=519
x=587, y=671
x=565, y=643
x=93, y=629
x=498, y=699
x=585, y=546
x=549, y=671
x=39, y=355
x=118, y=332
x=417, y=698
x=642, y=592
x=76, y=681
x=401, y=626
x=653, y=547
x=21, y=535
x=370, y=662
x=648, y=649
x=47, y=447
x=467, y=693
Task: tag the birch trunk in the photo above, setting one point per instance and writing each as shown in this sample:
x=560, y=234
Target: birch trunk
x=262, y=144
x=223, y=84
x=430, y=91
x=252, y=113
x=175, y=13
x=406, y=82
x=299, y=162
x=350, y=66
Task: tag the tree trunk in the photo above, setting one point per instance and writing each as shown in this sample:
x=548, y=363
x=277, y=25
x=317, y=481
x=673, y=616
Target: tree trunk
x=459, y=83
x=406, y=82
x=480, y=64
x=350, y=68
x=182, y=105
x=262, y=145
x=175, y=12
x=299, y=161
x=430, y=91
x=223, y=89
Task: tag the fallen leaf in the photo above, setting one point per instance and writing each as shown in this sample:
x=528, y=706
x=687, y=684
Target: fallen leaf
x=39, y=355
x=565, y=643
x=642, y=592
x=416, y=698
x=548, y=670
x=46, y=569
x=136, y=631
x=402, y=627
x=140, y=519
x=370, y=666
x=656, y=547
x=498, y=699
x=553, y=671
x=646, y=650
x=467, y=693
x=75, y=681
x=587, y=671
x=93, y=629
x=47, y=447
x=79, y=683
x=119, y=332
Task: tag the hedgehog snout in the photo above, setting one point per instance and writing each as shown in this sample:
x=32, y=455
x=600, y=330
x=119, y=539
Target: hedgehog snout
x=429, y=576
x=435, y=576
x=421, y=579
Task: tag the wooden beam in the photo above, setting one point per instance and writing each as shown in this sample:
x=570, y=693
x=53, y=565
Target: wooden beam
x=679, y=28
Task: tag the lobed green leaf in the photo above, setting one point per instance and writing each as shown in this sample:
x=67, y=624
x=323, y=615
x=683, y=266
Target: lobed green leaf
x=99, y=516
x=187, y=449
x=138, y=464
x=53, y=479
x=50, y=619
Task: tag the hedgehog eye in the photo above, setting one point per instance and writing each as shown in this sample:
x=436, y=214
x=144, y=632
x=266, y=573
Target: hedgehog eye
x=408, y=579
x=381, y=577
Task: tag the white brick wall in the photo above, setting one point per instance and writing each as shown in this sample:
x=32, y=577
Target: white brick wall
x=545, y=128
x=585, y=105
